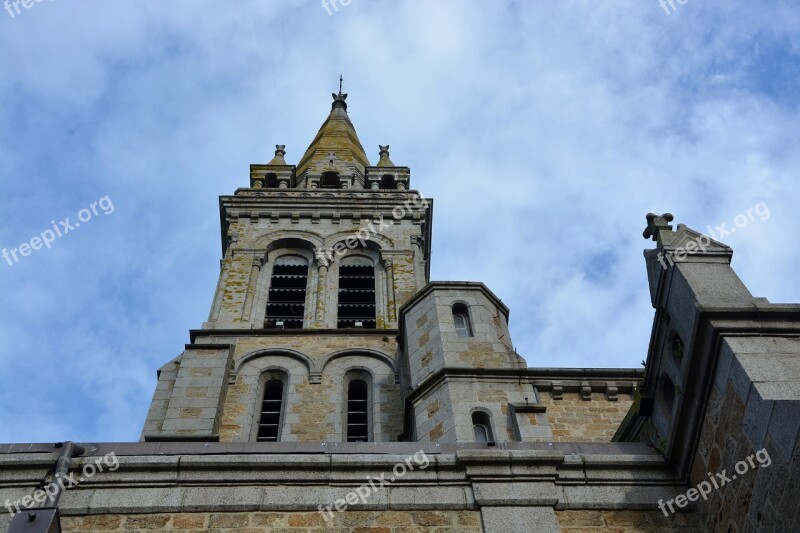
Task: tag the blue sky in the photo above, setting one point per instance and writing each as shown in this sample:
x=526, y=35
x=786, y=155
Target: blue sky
x=544, y=131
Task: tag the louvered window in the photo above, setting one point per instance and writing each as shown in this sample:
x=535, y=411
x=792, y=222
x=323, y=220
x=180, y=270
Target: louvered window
x=269, y=423
x=287, y=293
x=356, y=293
x=358, y=411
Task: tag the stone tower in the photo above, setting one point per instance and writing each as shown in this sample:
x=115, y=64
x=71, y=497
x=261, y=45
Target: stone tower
x=318, y=259
x=325, y=328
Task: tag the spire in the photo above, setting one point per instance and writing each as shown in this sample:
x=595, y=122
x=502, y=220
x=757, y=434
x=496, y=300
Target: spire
x=280, y=151
x=384, y=154
x=336, y=146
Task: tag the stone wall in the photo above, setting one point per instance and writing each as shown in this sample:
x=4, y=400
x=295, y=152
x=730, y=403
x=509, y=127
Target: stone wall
x=347, y=522
x=314, y=409
x=573, y=419
x=320, y=220
x=754, y=405
x=626, y=521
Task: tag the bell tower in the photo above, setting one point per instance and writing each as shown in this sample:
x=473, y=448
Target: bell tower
x=301, y=340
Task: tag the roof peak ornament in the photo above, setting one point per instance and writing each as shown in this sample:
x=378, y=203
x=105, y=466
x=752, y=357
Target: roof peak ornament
x=656, y=224
x=339, y=99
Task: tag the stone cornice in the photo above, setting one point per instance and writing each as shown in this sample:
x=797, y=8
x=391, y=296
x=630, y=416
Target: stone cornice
x=214, y=477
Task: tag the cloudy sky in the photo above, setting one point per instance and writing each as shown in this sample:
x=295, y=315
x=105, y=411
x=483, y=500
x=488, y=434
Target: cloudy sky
x=545, y=131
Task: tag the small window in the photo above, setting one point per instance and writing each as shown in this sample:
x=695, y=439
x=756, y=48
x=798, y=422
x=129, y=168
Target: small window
x=269, y=423
x=388, y=182
x=272, y=180
x=461, y=320
x=482, y=426
x=677, y=348
x=330, y=180
x=357, y=411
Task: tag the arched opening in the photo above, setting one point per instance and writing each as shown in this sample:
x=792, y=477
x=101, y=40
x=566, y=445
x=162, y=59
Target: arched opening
x=330, y=180
x=272, y=180
x=358, y=411
x=388, y=182
x=356, y=304
x=461, y=320
x=287, y=293
x=271, y=411
x=482, y=427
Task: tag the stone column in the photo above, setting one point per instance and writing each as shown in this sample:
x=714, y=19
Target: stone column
x=322, y=275
x=419, y=261
x=390, y=292
x=251, y=288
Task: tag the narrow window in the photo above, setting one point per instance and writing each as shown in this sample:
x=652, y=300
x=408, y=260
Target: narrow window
x=388, y=182
x=357, y=411
x=461, y=320
x=677, y=348
x=272, y=180
x=356, y=306
x=287, y=293
x=330, y=180
x=482, y=426
x=269, y=422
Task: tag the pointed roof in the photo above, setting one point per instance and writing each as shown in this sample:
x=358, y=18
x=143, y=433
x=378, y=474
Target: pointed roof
x=336, y=141
x=280, y=151
x=384, y=153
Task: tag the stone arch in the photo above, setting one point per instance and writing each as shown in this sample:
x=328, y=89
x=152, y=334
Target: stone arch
x=365, y=352
x=244, y=395
x=300, y=357
x=271, y=240
x=375, y=241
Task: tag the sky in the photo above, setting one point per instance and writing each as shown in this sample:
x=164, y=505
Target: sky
x=544, y=131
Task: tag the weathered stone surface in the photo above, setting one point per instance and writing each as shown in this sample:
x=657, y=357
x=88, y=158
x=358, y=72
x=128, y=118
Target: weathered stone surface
x=519, y=519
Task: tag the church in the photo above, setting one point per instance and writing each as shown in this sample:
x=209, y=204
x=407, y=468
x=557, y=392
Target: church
x=335, y=387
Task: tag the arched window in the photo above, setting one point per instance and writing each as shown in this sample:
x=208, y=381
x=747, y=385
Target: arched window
x=388, y=182
x=330, y=180
x=461, y=320
x=482, y=426
x=356, y=305
x=271, y=414
x=358, y=411
x=287, y=293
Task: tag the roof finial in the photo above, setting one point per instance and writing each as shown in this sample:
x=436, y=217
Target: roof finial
x=339, y=99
